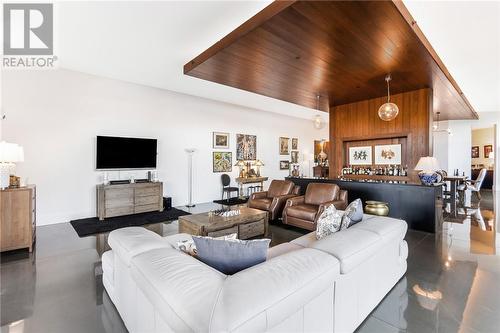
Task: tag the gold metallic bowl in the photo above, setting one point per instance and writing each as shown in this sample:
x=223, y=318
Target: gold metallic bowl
x=377, y=208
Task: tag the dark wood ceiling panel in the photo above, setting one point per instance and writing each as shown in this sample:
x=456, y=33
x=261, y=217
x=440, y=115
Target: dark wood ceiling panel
x=342, y=50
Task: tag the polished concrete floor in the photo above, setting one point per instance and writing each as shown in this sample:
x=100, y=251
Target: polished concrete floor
x=452, y=282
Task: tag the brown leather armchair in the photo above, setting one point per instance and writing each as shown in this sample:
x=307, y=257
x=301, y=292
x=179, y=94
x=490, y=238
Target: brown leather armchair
x=273, y=200
x=304, y=211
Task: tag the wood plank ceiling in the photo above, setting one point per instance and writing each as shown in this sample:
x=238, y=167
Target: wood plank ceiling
x=341, y=50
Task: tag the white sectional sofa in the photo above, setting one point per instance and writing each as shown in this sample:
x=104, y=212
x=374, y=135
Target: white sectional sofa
x=330, y=285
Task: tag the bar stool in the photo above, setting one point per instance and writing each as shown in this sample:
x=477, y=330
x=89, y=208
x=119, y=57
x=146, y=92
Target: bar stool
x=250, y=190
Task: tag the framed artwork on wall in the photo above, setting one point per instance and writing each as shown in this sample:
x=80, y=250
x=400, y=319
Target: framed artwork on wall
x=222, y=161
x=388, y=154
x=487, y=150
x=295, y=143
x=220, y=140
x=284, y=165
x=475, y=152
x=246, y=147
x=294, y=156
x=360, y=155
x=284, y=149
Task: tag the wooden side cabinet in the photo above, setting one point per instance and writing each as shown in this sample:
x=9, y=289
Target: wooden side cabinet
x=126, y=199
x=17, y=218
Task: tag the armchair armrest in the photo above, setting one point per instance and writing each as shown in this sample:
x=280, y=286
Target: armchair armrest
x=258, y=195
x=295, y=201
x=343, y=196
x=278, y=205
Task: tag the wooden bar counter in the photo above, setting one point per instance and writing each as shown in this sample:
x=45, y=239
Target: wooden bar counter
x=420, y=206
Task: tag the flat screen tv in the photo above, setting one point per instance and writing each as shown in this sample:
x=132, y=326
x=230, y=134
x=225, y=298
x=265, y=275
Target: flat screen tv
x=125, y=153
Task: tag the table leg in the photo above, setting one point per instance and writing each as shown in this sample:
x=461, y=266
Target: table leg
x=453, y=201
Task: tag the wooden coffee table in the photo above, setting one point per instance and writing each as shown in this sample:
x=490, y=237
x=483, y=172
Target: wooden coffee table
x=250, y=223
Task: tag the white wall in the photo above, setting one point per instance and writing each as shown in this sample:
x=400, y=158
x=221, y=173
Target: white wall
x=480, y=138
x=453, y=151
x=55, y=115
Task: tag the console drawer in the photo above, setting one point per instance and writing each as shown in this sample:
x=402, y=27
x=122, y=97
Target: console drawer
x=146, y=208
x=118, y=211
x=223, y=232
x=147, y=200
x=147, y=191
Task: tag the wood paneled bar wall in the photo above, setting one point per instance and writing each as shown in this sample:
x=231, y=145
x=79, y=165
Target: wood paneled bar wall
x=358, y=124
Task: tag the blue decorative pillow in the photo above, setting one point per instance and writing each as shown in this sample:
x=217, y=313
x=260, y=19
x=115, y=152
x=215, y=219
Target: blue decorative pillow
x=231, y=256
x=352, y=214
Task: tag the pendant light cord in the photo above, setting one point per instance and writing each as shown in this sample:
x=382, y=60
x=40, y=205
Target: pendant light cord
x=388, y=91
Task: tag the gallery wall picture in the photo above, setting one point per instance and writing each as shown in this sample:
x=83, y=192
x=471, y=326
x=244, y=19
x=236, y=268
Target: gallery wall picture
x=475, y=151
x=222, y=161
x=360, y=155
x=220, y=140
x=295, y=143
x=284, y=165
x=487, y=150
x=284, y=149
x=294, y=156
x=246, y=147
x=388, y=154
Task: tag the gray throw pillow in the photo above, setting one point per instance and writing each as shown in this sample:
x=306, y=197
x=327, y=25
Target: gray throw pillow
x=231, y=256
x=352, y=214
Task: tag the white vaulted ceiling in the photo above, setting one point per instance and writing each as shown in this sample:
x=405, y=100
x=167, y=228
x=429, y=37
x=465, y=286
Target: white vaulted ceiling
x=149, y=42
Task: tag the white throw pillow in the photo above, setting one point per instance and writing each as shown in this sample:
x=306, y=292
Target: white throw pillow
x=189, y=247
x=329, y=222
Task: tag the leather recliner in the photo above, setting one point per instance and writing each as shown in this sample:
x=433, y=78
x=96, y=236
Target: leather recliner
x=304, y=211
x=273, y=200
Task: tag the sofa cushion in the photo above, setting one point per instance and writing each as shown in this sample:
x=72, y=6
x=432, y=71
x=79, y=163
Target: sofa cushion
x=305, y=241
x=275, y=289
x=383, y=226
x=304, y=212
x=261, y=203
x=179, y=286
x=350, y=246
x=131, y=241
x=231, y=256
x=280, y=187
x=281, y=249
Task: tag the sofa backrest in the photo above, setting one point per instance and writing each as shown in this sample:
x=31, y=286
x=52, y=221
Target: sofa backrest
x=318, y=193
x=279, y=187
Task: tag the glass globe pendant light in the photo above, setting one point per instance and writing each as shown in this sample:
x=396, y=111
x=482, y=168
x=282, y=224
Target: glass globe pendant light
x=388, y=111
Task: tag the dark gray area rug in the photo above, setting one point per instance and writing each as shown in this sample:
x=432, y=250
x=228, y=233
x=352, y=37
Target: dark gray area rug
x=92, y=225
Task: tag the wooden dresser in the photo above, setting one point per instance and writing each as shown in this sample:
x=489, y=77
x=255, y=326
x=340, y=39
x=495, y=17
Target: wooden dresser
x=17, y=218
x=126, y=199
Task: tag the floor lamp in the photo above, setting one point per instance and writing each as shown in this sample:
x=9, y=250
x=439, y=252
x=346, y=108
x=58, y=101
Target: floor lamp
x=190, y=152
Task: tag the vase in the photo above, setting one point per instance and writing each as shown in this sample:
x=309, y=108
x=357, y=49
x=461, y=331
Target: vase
x=428, y=178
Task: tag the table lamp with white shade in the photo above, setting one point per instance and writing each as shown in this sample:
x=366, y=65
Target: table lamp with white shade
x=10, y=153
x=428, y=166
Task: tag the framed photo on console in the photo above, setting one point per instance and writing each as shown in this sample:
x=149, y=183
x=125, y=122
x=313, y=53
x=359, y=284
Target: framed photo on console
x=220, y=140
x=284, y=165
x=388, y=154
x=360, y=155
x=222, y=161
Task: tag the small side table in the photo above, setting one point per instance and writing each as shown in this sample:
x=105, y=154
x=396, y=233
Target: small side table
x=250, y=180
